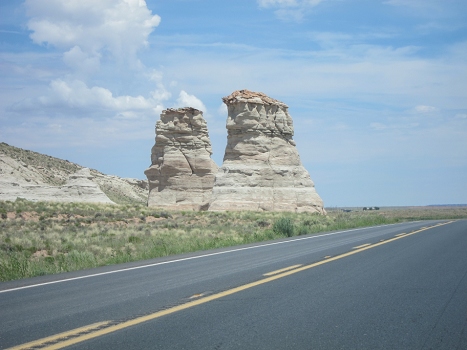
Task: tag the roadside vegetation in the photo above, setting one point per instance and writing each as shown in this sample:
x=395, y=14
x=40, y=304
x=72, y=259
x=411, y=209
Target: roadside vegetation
x=39, y=238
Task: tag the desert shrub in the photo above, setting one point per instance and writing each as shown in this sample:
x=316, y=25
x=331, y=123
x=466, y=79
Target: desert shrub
x=14, y=265
x=134, y=239
x=284, y=226
x=82, y=235
x=303, y=229
x=313, y=220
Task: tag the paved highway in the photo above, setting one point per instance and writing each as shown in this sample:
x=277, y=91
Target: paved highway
x=400, y=286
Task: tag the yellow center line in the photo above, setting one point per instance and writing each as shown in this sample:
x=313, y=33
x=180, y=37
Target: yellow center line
x=282, y=270
x=361, y=246
x=203, y=300
x=401, y=234
x=63, y=335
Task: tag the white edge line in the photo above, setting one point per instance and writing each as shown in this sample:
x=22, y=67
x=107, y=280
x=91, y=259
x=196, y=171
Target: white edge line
x=189, y=258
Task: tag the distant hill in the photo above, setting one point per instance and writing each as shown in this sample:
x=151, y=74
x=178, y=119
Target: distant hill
x=24, y=169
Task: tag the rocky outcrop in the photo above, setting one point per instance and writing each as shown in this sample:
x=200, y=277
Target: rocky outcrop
x=80, y=185
x=182, y=172
x=20, y=181
x=36, y=176
x=262, y=169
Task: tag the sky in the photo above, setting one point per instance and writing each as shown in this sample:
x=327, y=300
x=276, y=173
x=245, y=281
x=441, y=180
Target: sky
x=377, y=89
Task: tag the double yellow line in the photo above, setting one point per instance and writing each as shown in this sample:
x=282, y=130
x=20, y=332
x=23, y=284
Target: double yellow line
x=79, y=335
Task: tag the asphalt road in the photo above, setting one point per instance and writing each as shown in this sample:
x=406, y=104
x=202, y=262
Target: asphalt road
x=398, y=286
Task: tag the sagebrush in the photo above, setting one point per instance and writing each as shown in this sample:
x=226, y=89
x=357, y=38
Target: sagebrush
x=38, y=238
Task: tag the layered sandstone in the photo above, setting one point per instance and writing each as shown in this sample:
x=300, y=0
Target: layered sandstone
x=40, y=177
x=182, y=172
x=262, y=169
x=17, y=180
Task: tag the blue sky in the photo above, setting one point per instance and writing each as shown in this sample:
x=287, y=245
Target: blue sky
x=377, y=88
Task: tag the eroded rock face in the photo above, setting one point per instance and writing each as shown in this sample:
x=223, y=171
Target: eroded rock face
x=182, y=172
x=24, y=172
x=17, y=180
x=262, y=169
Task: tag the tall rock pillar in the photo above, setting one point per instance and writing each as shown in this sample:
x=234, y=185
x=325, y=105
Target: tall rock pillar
x=262, y=169
x=182, y=172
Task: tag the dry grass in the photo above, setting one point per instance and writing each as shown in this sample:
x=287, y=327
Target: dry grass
x=45, y=238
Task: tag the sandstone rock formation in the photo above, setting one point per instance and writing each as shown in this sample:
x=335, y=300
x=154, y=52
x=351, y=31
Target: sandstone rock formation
x=182, y=172
x=78, y=188
x=262, y=169
x=80, y=185
x=35, y=176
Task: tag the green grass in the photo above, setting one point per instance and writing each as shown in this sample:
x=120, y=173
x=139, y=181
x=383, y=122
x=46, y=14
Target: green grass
x=39, y=238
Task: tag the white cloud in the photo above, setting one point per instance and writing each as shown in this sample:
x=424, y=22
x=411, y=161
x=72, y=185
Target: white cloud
x=222, y=110
x=78, y=60
x=120, y=27
x=77, y=94
x=74, y=98
x=425, y=109
x=272, y=3
x=288, y=3
x=186, y=100
x=342, y=40
x=289, y=10
x=395, y=76
x=85, y=133
x=393, y=127
x=161, y=93
x=288, y=15
x=378, y=126
x=89, y=32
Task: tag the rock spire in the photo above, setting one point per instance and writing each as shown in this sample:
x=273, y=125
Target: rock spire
x=262, y=169
x=182, y=172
